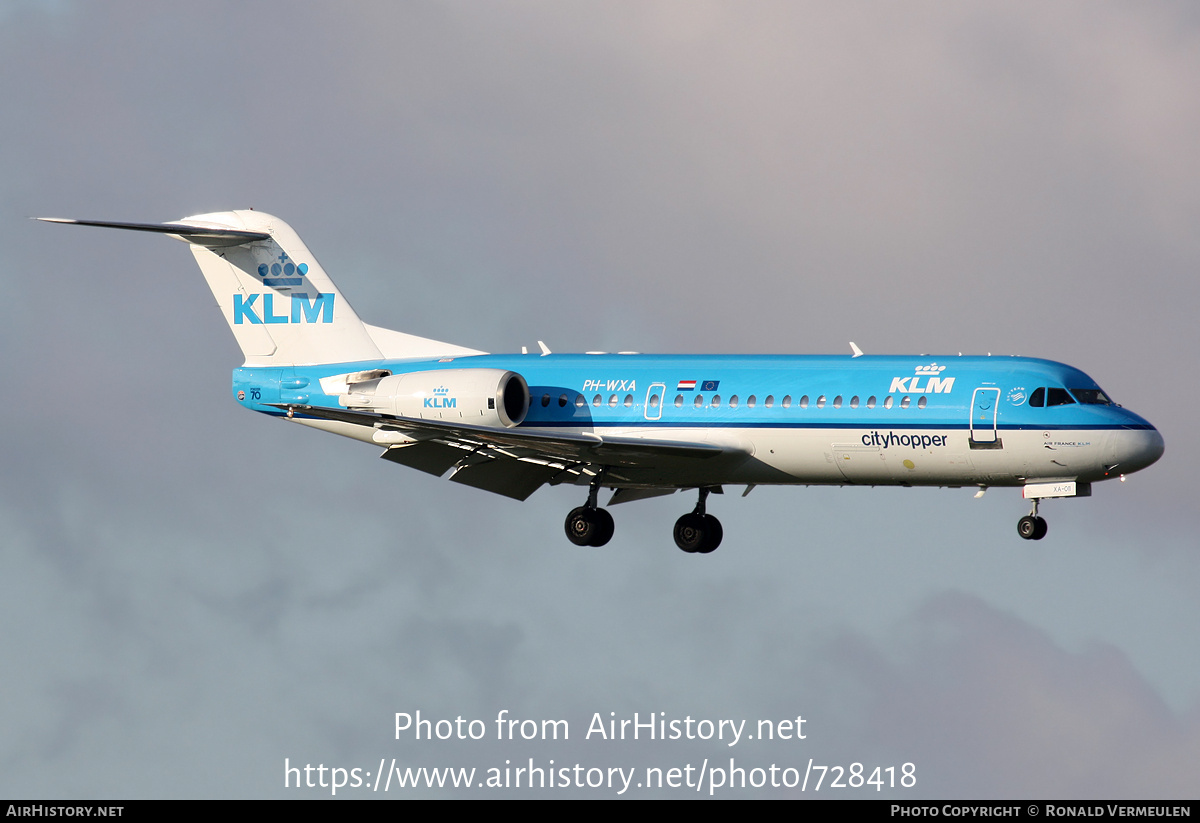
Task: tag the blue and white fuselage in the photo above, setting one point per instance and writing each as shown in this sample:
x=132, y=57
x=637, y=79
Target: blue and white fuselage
x=644, y=425
x=813, y=419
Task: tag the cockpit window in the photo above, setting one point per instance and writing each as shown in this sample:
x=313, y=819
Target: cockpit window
x=1053, y=397
x=1091, y=397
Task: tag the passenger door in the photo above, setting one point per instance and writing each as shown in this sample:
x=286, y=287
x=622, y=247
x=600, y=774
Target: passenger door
x=984, y=406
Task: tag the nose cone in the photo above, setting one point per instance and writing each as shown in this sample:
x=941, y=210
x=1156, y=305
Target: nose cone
x=1135, y=449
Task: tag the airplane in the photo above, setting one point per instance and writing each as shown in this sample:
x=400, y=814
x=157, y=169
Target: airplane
x=645, y=425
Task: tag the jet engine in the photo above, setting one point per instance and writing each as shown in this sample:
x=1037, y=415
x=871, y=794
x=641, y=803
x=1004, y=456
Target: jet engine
x=481, y=397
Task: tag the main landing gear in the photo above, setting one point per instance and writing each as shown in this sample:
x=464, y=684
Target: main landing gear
x=590, y=525
x=1031, y=526
x=698, y=532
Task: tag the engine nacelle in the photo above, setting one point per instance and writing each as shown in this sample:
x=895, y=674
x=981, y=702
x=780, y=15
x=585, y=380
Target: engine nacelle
x=480, y=397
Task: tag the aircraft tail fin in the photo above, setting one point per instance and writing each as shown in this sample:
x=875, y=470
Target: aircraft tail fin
x=280, y=304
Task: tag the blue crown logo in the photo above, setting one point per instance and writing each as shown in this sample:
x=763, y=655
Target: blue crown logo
x=441, y=391
x=274, y=274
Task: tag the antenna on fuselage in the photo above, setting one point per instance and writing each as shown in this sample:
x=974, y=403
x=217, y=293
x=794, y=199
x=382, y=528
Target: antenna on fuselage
x=854, y=348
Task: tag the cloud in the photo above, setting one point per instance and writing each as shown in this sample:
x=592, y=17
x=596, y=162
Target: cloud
x=988, y=706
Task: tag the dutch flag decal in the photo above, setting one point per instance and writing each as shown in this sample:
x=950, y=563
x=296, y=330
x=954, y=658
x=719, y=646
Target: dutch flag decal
x=686, y=385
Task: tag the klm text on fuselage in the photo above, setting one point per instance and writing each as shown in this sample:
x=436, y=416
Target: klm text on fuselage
x=912, y=385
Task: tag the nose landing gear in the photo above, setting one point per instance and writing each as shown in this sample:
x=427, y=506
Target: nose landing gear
x=1031, y=526
x=698, y=532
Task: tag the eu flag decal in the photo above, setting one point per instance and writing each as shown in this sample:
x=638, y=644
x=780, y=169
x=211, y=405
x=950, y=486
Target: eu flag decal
x=710, y=385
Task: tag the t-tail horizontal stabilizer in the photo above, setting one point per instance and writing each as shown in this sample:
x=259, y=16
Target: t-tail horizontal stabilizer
x=210, y=236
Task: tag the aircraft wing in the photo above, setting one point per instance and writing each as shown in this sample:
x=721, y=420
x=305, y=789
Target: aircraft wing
x=513, y=462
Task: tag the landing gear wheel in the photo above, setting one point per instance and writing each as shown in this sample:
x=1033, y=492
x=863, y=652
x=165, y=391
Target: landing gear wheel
x=1032, y=527
x=1042, y=528
x=586, y=526
x=580, y=526
x=604, y=527
x=698, y=533
x=689, y=532
x=1027, y=527
x=714, y=534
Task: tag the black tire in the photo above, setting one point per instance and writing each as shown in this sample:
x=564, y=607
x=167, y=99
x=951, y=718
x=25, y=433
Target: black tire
x=690, y=532
x=1027, y=527
x=1041, y=529
x=581, y=526
x=604, y=527
x=712, y=534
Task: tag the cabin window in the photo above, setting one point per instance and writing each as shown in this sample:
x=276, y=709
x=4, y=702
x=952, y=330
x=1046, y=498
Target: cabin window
x=716, y=401
x=654, y=401
x=821, y=402
x=1058, y=397
x=887, y=402
x=679, y=401
x=562, y=400
x=924, y=401
x=769, y=402
x=787, y=401
x=580, y=401
x=545, y=400
x=837, y=402
x=871, y=402
x=1091, y=397
x=750, y=402
x=733, y=401
x=804, y=402
x=904, y=401
x=699, y=401
x=629, y=401
x=597, y=400
x=612, y=401
x=854, y=402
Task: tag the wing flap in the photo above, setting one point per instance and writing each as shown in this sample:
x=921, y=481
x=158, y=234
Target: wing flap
x=503, y=475
x=627, y=495
x=431, y=458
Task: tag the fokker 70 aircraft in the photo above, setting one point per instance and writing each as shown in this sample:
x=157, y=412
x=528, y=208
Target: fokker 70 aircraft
x=647, y=425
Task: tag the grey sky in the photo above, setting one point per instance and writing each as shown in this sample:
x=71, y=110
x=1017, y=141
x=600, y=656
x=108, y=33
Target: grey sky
x=190, y=594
